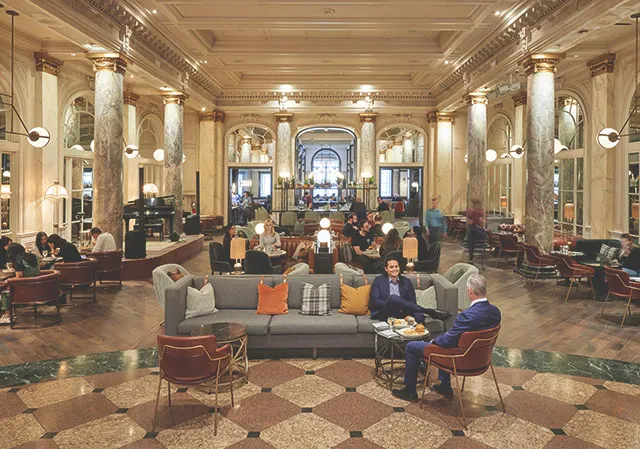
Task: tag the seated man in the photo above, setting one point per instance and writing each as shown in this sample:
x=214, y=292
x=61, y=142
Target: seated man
x=361, y=241
x=393, y=295
x=350, y=228
x=480, y=315
x=104, y=241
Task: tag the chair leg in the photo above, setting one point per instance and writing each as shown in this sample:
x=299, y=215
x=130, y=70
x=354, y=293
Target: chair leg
x=169, y=391
x=593, y=292
x=426, y=383
x=568, y=291
x=155, y=415
x=536, y=278
x=498, y=258
x=497, y=388
x=464, y=379
x=605, y=303
x=11, y=323
x=215, y=414
x=231, y=383
x=464, y=417
x=627, y=310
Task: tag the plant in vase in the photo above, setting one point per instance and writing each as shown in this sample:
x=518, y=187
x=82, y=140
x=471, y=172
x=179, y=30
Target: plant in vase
x=372, y=181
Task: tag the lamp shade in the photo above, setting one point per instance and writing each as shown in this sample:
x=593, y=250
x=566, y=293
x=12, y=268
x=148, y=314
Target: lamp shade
x=608, y=138
x=92, y=145
x=558, y=147
x=569, y=211
x=260, y=228
x=635, y=210
x=516, y=151
x=491, y=155
x=131, y=151
x=238, y=248
x=324, y=236
x=387, y=227
x=503, y=202
x=5, y=191
x=55, y=191
x=466, y=158
x=325, y=223
x=38, y=137
x=6, y=174
x=410, y=247
x=77, y=147
x=150, y=189
x=158, y=155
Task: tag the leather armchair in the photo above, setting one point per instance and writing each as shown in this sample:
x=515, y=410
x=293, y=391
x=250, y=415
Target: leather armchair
x=537, y=260
x=78, y=274
x=471, y=358
x=507, y=244
x=193, y=361
x=432, y=262
x=217, y=259
x=621, y=286
x=258, y=262
x=33, y=292
x=109, y=266
x=574, y=272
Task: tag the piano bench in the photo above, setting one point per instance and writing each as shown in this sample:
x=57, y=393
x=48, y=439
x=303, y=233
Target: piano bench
x=155, y=227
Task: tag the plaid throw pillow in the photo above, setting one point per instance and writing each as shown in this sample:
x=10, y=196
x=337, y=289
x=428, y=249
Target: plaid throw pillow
x=316, y=300
x=608, y=252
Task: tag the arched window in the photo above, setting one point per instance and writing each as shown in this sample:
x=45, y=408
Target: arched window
x=151, y=138
x=401, y=144
x=326, y=166
x=251, y=144
x=499, y=172
x=569, y=123
x=78, y=124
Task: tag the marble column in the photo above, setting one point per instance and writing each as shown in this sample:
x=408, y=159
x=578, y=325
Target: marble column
x=444, y=160
x=476, y=149
x=540, y=69
x=284, y=153
x=221, y=185
x=173, y=143
x=207, y=161
x=602, y=163
x=429, y=165
x=47, y=160
x=108, y=136
x=232, y=148
x=131, y=188
x=518, y=179
x=368, y=157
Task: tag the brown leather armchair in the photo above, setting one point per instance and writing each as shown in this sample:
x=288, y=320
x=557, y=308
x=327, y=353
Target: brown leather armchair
x=574, y=272
x=78, y=274
x=622, y=287
x=537, y=260
x=35, y=291
x=471, y=358
x=109, y=266
x=193, y=361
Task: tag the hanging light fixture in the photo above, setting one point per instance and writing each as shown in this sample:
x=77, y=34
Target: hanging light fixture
x=608, y=137
x=491, y=155
x=92, y=145
x=158, y=155
x=131, y=151
x=37, y=137
x=516, y=151
x=56, y=191
x=6, y=174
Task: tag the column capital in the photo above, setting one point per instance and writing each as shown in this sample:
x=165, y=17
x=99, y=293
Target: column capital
x=541, y=62
x=131, y=99
x=206, y=116
x=47, y=63
x=476, y=98
x=519, y=98
x=435, y=117
x=283, y=117
x=368, y=117
x=601, y=64
x=218, y=116
x=173, y=98
x=108, y=61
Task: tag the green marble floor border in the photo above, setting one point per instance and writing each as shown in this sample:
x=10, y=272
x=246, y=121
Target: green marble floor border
x=113, y=362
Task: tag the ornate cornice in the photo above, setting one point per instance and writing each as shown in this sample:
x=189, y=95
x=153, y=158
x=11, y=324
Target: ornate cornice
x=283, y=117
x=112, y=62
x=368, y=117
x=476, y=98
x=541, y=63
x=602, y=64
x=206, y=116
x=321, y=97
x=173, y=98
x=131, y=99
x=218, y=116
x=520, y=98
x=47, y=63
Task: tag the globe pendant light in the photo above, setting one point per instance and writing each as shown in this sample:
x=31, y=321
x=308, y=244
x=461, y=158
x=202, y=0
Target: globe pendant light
x=609, y=138
x=131, y=151
x=158, y=155
x=491, y=155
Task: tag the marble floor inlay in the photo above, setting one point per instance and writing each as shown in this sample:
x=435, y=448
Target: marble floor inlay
x=321, y=404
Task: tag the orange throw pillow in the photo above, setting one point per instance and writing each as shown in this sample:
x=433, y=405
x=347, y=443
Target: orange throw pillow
x=273, y=301
x=355, y=301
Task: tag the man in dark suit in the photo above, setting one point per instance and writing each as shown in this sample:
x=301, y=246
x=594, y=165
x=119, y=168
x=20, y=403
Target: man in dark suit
x=359, y=208
x=393, y=295
x=480, y=315
x=350, y=228
x=382, y=206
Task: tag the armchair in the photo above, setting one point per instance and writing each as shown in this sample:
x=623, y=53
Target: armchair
x=78, y=274
x=217, y=259
x=258, y=262
x=508, y=244
x=34, y=291
x=432, y=262
x=109, y=266
x=622, y=287
x=537, y=260
x=574, y=272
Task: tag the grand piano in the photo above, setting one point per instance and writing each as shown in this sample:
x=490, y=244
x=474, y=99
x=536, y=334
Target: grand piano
x=156, y=211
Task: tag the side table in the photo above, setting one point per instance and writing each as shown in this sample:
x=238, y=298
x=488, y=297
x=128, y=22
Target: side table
x=234, y=334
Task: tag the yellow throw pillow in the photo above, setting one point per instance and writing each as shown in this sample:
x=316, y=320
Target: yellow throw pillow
x=355, y=301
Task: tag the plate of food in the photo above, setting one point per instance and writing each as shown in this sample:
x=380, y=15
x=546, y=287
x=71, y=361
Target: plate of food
x=397, y=323
x=416, y=332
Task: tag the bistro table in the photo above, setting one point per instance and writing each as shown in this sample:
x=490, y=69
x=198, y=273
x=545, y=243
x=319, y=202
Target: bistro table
x=234, y=334
x=390, y=351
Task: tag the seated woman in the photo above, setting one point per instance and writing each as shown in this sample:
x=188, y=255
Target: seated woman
x=5, y=242
x=269, y=238
x=229, y=234
x=392, y=242
x=629, y=257
x=41, y=248
x=64, y=249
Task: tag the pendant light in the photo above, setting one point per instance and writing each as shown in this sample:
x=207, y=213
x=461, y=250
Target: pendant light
x=608, y=137
x=37, y=137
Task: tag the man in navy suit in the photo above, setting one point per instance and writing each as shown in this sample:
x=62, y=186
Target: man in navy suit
x=393, y=295
x=480, y=315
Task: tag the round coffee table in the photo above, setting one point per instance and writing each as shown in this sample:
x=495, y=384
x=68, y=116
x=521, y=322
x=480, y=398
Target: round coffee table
x=234, y=334
x=390, y=355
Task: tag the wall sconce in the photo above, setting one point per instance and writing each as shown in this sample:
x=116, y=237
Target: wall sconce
x=635, y=211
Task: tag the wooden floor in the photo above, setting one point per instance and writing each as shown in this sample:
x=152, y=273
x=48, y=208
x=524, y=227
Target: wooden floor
x=533, y=318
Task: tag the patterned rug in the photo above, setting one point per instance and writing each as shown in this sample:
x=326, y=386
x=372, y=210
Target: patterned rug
x=322, y=403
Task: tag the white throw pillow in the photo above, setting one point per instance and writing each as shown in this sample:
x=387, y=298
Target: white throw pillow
x=427, y=298
x=200, y=302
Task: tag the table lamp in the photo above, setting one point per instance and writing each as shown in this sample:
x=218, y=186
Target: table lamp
x=238, y=252
x=324, y=237
x=325, y=223
x=386, y=228
x=410, y=251
x=503, y=202
x=569, y=211
x=260, y=228
x=635, y=210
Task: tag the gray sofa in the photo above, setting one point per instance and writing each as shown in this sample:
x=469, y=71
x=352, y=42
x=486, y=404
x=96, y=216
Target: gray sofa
x=237, y=300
